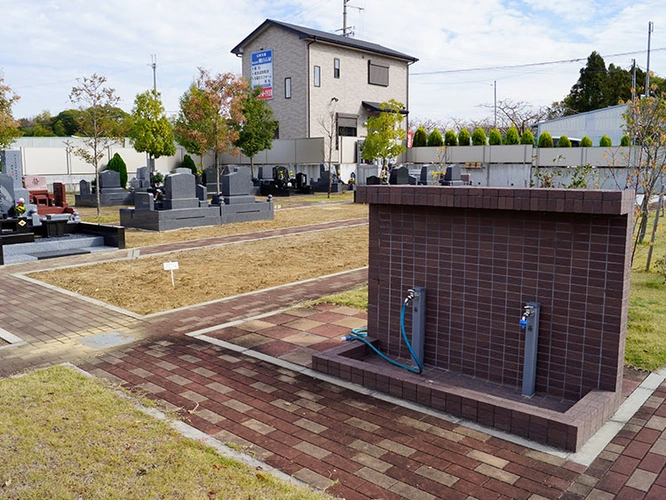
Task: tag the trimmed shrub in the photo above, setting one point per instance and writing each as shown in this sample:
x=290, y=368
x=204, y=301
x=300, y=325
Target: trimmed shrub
x=450, y=138
x=118, y=164
x=420, y=137
x=495, y=137
x=435, y=138
x=464, y=137
x=586, y=142
x=564, y=142
x=479, y=137
x=605, y=141
x=527, y=138
x=625, y=141
x=512, y=136
x=546, y=140
x=188, y=162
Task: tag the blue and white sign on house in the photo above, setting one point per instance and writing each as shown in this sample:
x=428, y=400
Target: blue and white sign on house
x=262, y=72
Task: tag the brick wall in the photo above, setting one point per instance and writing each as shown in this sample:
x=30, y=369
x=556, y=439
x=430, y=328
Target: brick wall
x=482, y=253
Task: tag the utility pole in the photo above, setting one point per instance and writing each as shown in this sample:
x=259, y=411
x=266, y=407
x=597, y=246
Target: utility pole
x=347, y=30
x=647, y=70
x=633, y=79
x=153, y=64
x=495, y=95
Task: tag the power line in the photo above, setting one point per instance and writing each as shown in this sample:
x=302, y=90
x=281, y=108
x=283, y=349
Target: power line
x=528, y=65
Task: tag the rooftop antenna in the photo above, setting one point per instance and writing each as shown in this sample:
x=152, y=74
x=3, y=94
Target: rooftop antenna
x=347, y=30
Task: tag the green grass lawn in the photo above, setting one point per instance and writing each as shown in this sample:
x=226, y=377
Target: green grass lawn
x=68, y=436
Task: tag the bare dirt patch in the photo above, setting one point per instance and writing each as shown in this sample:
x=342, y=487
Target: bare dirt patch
x=213, y=273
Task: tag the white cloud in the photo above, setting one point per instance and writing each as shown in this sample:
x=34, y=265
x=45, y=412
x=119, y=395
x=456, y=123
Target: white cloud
x=48, y=44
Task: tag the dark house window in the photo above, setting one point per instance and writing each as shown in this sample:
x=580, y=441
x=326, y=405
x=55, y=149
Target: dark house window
x=287, y=88
x=276, y=133
x=378, y=75
x=336, y=68
x=317, y=76
x=347, y=125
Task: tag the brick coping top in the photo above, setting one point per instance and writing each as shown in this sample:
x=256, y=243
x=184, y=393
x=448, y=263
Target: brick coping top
x=584, y=201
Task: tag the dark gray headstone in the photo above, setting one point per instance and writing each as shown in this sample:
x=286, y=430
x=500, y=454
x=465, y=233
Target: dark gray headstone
x=202, y=193
x=399, y=175
x=373, y=180
x=180, y=186
x=144, y=201
x=426, y=174
x=11, y=165
x=109, y=179
x=84, y=187
x=6, y=193
x=238, y=183
x=452, y=173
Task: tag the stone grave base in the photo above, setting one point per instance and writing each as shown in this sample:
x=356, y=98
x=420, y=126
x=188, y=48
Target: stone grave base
x=107, y=199
x=165, y=220
x=559, y=423
x=245, y=212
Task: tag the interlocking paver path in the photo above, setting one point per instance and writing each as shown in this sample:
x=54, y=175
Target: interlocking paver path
x=236, y=369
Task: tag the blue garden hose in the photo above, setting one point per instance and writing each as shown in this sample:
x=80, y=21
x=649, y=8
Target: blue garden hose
x=362, y=334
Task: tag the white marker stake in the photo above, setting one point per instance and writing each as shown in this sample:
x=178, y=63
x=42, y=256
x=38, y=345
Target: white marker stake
x=133, y=254
x=170, y=266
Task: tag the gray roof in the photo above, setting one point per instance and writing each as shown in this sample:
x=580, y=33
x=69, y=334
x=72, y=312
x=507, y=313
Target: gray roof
x=322, y=36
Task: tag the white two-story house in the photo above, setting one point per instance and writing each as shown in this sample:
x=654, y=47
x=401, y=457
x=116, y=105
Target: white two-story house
x=321, y=84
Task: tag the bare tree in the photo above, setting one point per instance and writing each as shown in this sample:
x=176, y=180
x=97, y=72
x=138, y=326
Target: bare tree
x=519, y=113
x=98, y=121
x=328, y=125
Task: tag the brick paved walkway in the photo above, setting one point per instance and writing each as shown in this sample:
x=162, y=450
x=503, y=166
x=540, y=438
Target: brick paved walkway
x=236, y=369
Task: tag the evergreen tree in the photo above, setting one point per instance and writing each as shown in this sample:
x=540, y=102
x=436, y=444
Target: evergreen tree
x=605, y=141
x=479, y=137
x=188, y=162
x=464, y=137
x=151, y=132
x=587, y=93
x=625, y=141
x=512, y=136
x=450, y=138
x=527, y=138
x=420, y=137
x=495, y=137
x=586, y=142
x=546, y=140
x=118, y=165
x=435, y=138
x=563, y=142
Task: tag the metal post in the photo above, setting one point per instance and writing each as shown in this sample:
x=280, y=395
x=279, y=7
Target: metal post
x=647, y=69
x=418, y=321
x=530, y=323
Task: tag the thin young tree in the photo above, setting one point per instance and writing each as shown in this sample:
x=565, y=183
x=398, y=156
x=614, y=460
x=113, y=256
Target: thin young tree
x=385, y=135
x=211, y=114
x=645, y=123
x=327, y=121
x=258, y=131
x=151, y=132
x=9, y=127
x=99, y=121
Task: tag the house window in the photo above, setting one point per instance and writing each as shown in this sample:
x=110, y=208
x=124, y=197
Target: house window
x=317, y=76
x=347, y=125
x=276, y=133
x=377, y=74
x=336, y=68
x=287, y=88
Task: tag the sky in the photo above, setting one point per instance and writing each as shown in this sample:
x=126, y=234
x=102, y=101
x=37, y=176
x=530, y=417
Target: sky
x=525, y=50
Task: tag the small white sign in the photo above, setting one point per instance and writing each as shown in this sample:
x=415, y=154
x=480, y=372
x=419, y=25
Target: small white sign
x=133, y=253
x=170, y=266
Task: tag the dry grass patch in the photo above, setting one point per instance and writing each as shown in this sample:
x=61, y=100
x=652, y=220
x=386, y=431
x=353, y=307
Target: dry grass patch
x=213, y=273
x=65, y=435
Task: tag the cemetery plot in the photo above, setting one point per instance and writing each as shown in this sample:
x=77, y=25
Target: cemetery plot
x=214, y=273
